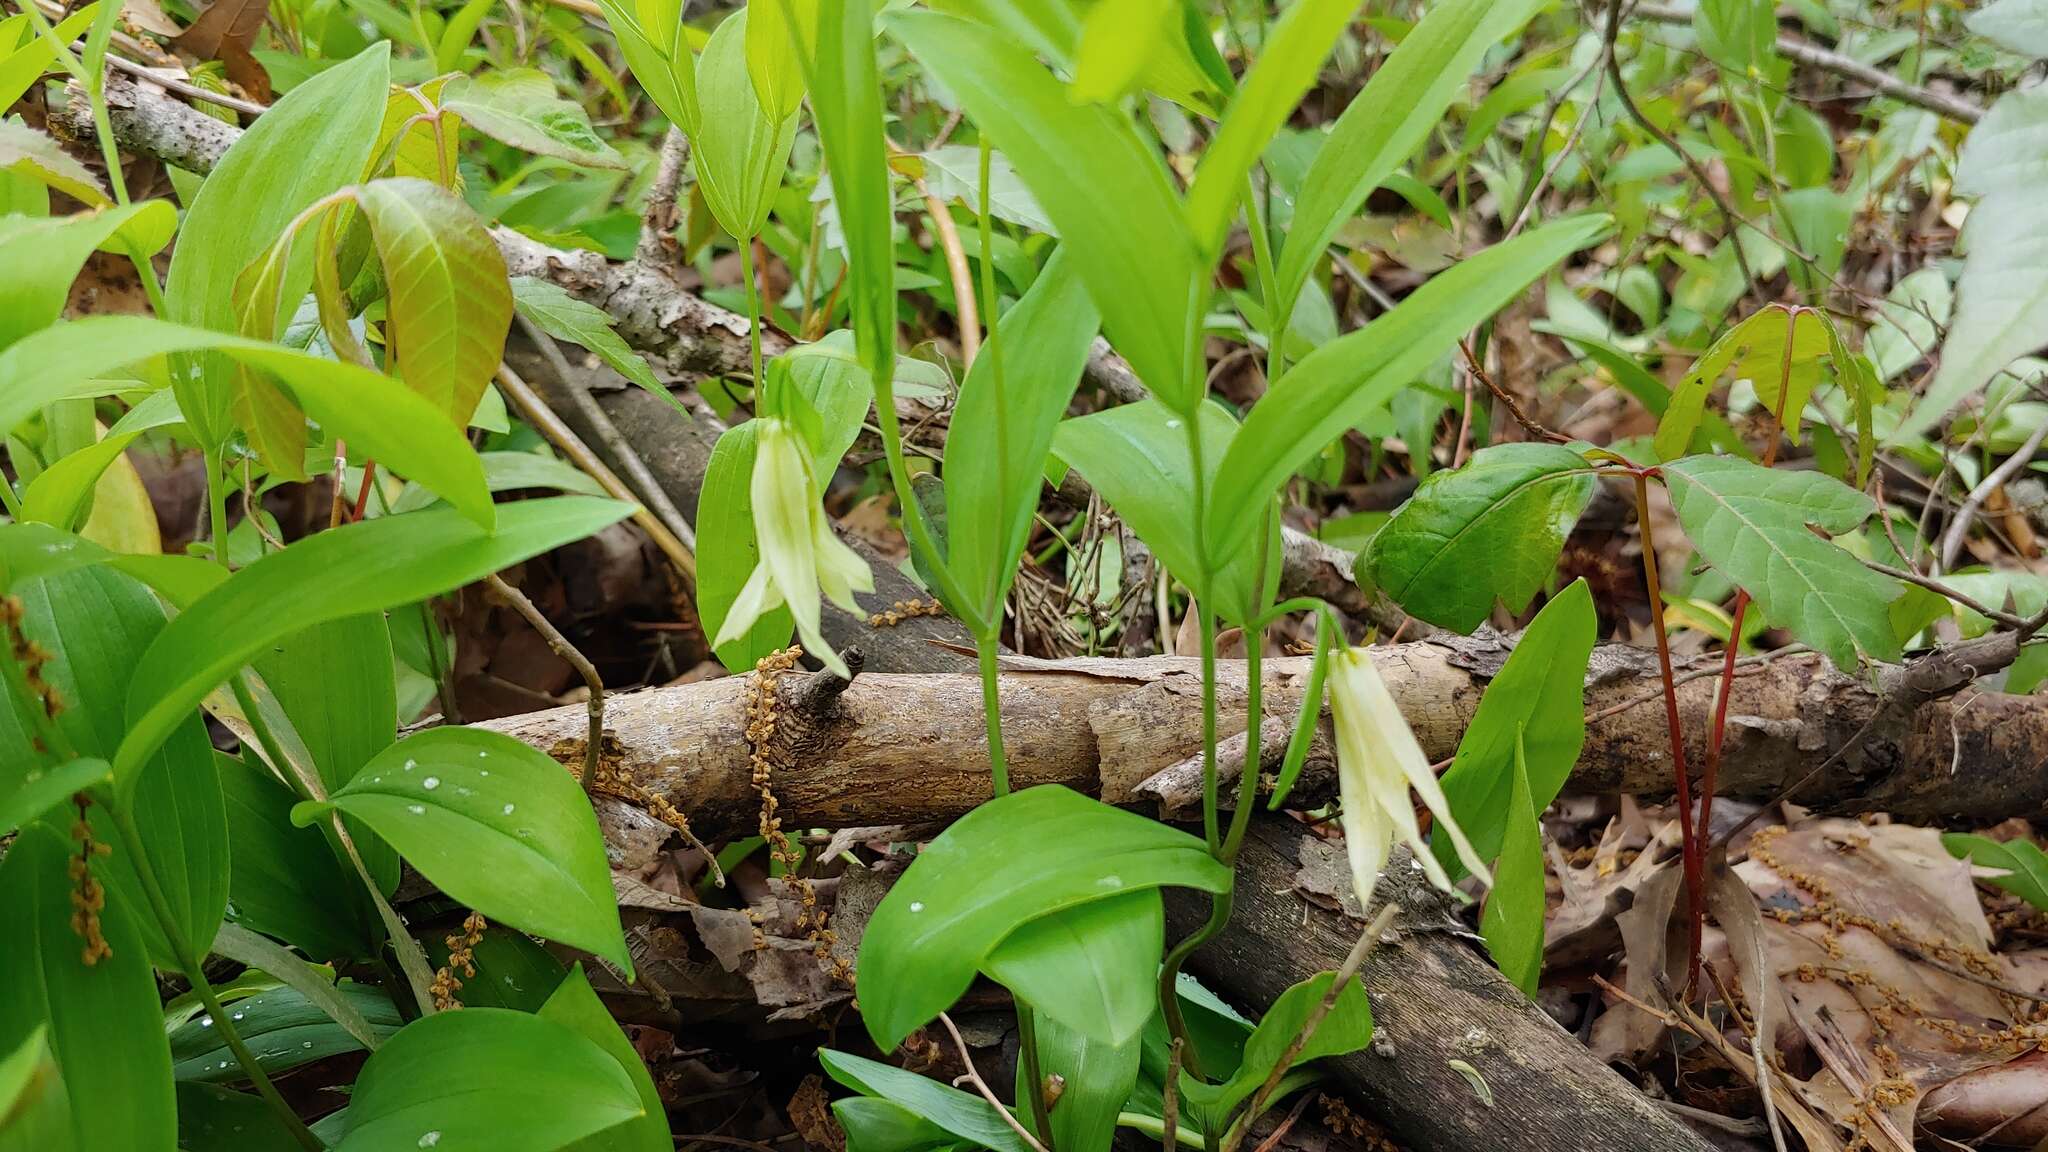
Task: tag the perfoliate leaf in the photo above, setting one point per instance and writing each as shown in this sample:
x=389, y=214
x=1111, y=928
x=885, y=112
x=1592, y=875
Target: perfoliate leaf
x=1513, y=920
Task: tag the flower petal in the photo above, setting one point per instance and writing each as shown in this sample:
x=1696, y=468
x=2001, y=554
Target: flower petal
x=758, y=597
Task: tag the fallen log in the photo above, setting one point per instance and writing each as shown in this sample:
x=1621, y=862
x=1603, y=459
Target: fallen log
x=1460, y=1059
x=909, y=749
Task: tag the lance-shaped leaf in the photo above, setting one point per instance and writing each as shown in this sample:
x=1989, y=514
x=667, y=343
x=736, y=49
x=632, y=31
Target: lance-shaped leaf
x=1402, y=103
x=1092, y=968
x=1751, y=523
x=43, y=256
x=1513, y=920
x=1095, y=178
x=739, y=147
x=1489, y=531
x=1341, y=383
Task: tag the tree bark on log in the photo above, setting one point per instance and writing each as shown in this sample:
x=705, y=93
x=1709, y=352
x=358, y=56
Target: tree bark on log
x=1532, y=1087
x=909, y=749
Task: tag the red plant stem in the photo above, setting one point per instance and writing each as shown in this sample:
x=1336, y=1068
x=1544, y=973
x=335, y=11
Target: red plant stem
x=1695, y=878
x=363, y=493
x=1709, y=777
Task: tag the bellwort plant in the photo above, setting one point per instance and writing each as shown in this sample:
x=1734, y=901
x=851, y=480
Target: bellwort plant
x=1053, y=894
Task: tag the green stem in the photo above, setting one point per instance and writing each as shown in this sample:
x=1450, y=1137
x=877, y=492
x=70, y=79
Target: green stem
x=1248, y=776
x=1220, y=906
x=412, y=959
x=1269, y=282
x=1034, y=1075
x=1207, y=623
x=753, y=310
x=985, y=646
x=131, y=839
x=217, y=502
x=1155, y=1127
x=437, y=655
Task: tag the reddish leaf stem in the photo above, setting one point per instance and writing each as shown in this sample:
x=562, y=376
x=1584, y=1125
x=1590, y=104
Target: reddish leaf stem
x=1695, y=880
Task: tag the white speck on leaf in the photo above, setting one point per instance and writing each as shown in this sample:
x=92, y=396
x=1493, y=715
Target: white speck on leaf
x=917, y=905
x=411, y=764
x=508, y=809
x=416, y=809
x=431, y=783
x=430, y=1139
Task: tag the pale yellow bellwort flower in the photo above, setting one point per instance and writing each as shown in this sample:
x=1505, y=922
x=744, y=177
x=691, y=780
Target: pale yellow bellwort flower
x=801, y=556
x=1378, y=761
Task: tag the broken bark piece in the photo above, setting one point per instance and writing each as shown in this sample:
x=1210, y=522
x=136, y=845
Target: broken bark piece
x=1445, y=1020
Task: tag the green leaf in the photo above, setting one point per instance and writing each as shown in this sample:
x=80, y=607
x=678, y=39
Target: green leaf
x=1118, y=40
x=44, y=256
x=1102, y=186
x=1431, y=67
x=1136, y=456
x=1739, y=35
x=357, y=568
x=59, y=495
x=1008, y=862
x=487, y=1078
x=1098, y=1078
x=22, y=67
x=495, y=824
x=846, y=102
x=316, y=985
x=728, y=551
x=512, y=472
x=513, y=970
x=739, y=148
x=519, y=106
x=963, y=1114
x=1751, y=523
x=2025, y=865
x=337, y=685
x=1341, y=383
x=1289, y=61
x=2016, y=25
x=96, y=623
x=2002, y=296
x=373, y=412
x=873, y=1124
x=283, y=1029
x=1490, y=531
x=651, y=37
x=40, y=789
x=773, y=61
x=1347, y=1028
x=1513, y=920
x=105, y=1026
x=574, y=1004
x=313, y=141
x=1093, y=968
x=457, y=34
x=216, y=1119
x=564, y=317
x=27, y=152
x=953, y=173
x=450, y=302
x=284, y=880
x=1003, y=427
x=1531, y=720
x=35, y=1109
x=1772, y=346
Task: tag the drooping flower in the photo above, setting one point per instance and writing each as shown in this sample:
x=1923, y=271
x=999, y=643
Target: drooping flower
x=801, y=556
x=1378, y=761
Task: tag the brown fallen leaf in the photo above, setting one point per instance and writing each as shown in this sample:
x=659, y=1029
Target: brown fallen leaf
x=225, y=32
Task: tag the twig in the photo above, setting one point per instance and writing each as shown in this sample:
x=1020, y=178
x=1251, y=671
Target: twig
x=1699, y=175
x=2025, y=626
x=1169, y=1094
x=182, y=88
x=1361, y=949
x=663, y=213
x=559, y=644
x=1827, y=60
x=1535, y=430
x=1959, y=528
x=1571, y=141
x=536, y=412
x=973, y=1077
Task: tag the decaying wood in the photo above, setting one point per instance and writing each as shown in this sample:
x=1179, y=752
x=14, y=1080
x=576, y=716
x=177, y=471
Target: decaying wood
x=1460, y=1059
x=908, y=749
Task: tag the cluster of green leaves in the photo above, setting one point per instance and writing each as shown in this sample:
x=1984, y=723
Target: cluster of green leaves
x=274, y=356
